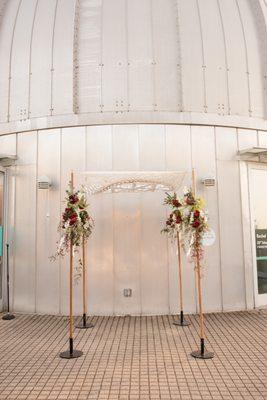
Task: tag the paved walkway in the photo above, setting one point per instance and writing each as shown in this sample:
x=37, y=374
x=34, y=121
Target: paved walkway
x=134, y=358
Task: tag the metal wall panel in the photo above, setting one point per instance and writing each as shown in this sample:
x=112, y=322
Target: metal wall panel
x=126, y=225
x=262, y=138
x=214, y=57
x=115, y=63
x=178, y=158
x=62, y=77
x=24, y=277
x=166, y=56
x=140, y=55
x=41, y=59
x=73, y=152
x=247, y=138
x=48, y=217
x=236, y=56
x=6, y=32
x=255, y=57
x=20, y=58
x=89, y=55
x=100, y=247
x=231, y=234
x=204, y=162
x=191, y=49
x=154, y=261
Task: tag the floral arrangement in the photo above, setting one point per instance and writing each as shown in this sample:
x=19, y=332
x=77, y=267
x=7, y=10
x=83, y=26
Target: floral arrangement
x=76, y=222
x=195, y=223
x=188, y=217
x=175, y=219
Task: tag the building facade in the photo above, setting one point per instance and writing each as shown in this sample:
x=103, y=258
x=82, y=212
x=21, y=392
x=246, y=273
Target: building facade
x=149, y=85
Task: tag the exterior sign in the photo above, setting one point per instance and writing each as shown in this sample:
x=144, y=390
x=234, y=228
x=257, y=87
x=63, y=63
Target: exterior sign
x=261, y=257
x=261, y=244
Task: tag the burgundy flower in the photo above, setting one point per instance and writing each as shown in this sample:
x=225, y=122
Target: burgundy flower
x=176, y=203
x=73, y=199
x=196, y=223
x=196, y=214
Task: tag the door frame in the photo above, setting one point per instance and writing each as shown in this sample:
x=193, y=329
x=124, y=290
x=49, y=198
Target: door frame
x=260, y=299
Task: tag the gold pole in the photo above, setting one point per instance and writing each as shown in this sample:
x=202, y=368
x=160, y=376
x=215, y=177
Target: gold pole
x=84, y=282
x=201, y=353
x=180, y=271
x=71, y=281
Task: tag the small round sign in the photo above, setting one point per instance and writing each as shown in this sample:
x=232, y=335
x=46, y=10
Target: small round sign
x=209, y=238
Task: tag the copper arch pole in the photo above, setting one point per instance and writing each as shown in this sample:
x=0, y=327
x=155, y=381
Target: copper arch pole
x=182, y=321
x=199, y=353
x=71, y=353
x=84, y=324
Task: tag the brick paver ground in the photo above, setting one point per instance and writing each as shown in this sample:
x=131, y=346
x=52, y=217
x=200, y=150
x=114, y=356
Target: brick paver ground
x=134, y=358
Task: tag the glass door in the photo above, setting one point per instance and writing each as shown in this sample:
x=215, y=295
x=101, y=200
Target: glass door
x=1, y=236
x=258, y=188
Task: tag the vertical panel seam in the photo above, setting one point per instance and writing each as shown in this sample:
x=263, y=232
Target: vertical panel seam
x=219, y=217
x=203, y=58
x=101, y=105
x=75, y=98
x=10, y=59
x=52, y=59
x=127, y=54
x=179, y=58
x=246, y=56
x=30, y=59
x=15, y=231
x=225, y=57
x=154, y=105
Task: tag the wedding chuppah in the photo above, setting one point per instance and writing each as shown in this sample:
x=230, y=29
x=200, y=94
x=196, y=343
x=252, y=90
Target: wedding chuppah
x=186, y=225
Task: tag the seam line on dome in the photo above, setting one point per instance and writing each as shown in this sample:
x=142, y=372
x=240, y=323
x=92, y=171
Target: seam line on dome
x=52, y=59
x=246, y=56
x=10, y=58
x=203, y=59
x=225, y=56
x=30, y=58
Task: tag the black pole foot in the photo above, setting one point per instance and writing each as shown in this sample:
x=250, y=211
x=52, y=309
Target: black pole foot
x=8, y=317
x=181, y=321
x=205, y=355
x=71, y=353
x=83, y=324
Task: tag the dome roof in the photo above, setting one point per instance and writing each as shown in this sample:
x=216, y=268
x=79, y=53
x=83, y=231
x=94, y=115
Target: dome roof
x=110, y=61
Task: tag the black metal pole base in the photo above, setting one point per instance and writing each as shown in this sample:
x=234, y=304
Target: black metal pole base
x=205, y=355
x=181, y=321
x=8, y=317
x=71, y=353
x=83, y=324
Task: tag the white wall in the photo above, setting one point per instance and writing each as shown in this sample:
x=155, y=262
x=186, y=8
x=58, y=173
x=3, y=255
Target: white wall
x=126, y=249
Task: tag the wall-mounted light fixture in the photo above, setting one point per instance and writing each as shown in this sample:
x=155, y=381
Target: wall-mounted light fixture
x=209, y=181
x=44, y=183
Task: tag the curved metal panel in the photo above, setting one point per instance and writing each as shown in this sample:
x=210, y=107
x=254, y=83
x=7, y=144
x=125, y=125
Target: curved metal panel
x=41, y=59
x=236, y=55
x=140, y=55
x=88, y=53
x=115, y=62
x=191, y=56
x=166, y=56
x=20, y=61
x=7, y=27
x=62, y=78
x=214, y=56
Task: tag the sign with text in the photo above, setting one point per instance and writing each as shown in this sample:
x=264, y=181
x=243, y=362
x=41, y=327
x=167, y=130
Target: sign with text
x=261, y=244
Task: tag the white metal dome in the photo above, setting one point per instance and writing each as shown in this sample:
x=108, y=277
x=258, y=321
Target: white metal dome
x=67, y=62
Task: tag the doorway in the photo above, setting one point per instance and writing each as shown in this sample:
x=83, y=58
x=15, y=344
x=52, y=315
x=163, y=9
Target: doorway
x=258, y=195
